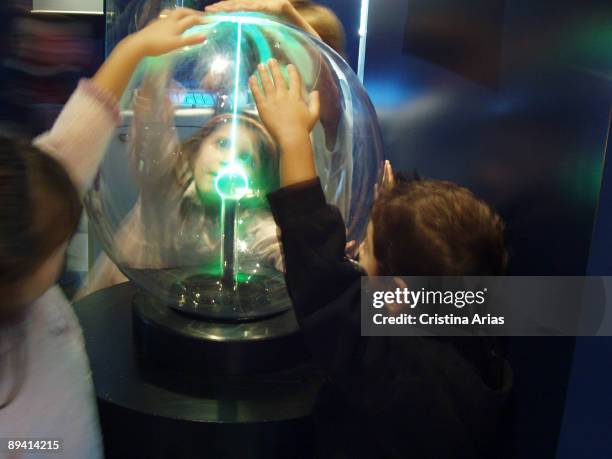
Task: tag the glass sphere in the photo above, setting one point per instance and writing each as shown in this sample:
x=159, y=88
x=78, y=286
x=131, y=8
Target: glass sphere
x=179, y=203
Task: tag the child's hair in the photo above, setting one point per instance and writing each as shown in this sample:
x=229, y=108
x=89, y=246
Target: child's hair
x=39, y=208
x=436, y=228
x=324, y=21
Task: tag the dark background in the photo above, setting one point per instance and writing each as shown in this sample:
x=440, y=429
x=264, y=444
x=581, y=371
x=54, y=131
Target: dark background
x=512, y=99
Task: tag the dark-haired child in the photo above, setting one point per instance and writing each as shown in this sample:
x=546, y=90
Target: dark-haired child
x=386, y=396
x=45, y=382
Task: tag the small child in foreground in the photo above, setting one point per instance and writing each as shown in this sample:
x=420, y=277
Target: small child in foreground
x=46, y=390
x=387, y=396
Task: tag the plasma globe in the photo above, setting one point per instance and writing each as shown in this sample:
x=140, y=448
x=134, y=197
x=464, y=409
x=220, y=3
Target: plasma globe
x=179, y=204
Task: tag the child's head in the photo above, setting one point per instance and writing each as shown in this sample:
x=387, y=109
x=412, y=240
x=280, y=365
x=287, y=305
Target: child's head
x=211, y=148
x=39, y=211
x=433, y=228
x=324, y=21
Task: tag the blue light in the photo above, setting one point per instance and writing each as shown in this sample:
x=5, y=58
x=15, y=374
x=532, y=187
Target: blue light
x=388, y=92
x=363, y=33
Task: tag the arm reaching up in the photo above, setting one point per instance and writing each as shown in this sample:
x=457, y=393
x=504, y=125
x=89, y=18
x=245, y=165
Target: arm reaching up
x=163, y=35
x=80, y=135
x=321, y=281
x=312, y=232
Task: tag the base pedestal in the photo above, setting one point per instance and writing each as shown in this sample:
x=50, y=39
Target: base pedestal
x=256, y=409
x=177, y=342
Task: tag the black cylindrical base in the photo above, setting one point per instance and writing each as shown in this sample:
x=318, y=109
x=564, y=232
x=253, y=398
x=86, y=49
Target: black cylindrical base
x=158, y=413
x=180, y=343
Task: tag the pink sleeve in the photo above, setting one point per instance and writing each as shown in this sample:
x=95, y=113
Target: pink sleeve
x=82, y=131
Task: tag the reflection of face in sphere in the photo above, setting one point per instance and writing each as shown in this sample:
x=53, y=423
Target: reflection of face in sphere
x=220, y=144
x=180, y=200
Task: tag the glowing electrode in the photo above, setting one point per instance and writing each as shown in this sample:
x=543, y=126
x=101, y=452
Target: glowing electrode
x=232, y=183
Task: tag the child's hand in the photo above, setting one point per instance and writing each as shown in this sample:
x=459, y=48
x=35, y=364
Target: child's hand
x=289, y=120
x=283, y=109
x=350, y=249
x=274, y=7
x=161, y=36
x=165, y=34
x=388, y=179
x=281, y=8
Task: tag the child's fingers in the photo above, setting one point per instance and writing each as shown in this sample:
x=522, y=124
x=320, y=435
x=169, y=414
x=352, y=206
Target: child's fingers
x=244, y=5
x=180, y=13
x=256, y=90
x=223, y=6
x=295, y=80
x=314, y=104
x=220, y=8
x=194, y=39
x=388, y=179
x=279, y=79
x=266, y=79
x=241, y=5
x=189, y=21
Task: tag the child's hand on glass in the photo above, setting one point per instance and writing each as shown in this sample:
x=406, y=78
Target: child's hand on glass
x=274, y=7
x=282, y=108
x=166, y=33
x=283, y=9
x=388, y=179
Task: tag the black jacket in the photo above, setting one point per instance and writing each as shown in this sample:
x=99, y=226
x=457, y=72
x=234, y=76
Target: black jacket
x=386, y=396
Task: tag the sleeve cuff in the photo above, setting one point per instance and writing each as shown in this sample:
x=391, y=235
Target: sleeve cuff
x=105, y=98
x=297, y=200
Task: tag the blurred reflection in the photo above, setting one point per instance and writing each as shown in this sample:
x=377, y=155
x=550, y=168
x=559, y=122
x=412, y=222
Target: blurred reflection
x=42, y=60
x=176, y=219
x=42, y=57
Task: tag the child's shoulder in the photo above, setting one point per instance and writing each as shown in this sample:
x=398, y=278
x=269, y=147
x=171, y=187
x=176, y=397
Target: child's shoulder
x=52, y=316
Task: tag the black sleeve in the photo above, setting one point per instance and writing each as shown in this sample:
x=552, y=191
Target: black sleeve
x=325, y=288
x=324, y=285
x=313, y=235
